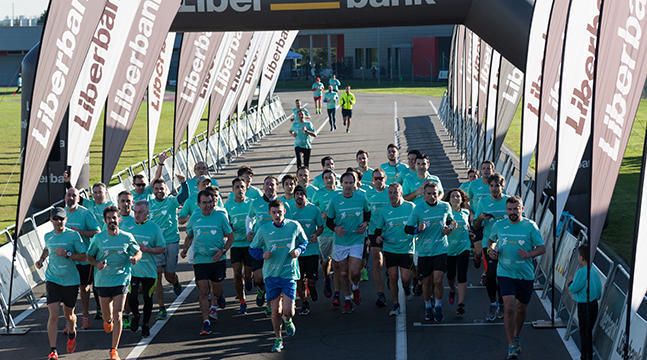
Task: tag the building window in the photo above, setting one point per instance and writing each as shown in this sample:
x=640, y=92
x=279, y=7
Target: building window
x=371, y=58
x=359, y=58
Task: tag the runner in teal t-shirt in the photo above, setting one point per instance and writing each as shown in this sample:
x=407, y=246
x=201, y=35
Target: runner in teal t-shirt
x=395, y=170
x=303, y=131
x=413, y=184
x=327, y=163
x=348, y=216
x=489, y=210
x=297, y=107
x=303, y=179
x=280, y=241
x=480, y=187
x=288, y=183
x=242, y=262
x=362, y=166
x=331, y=98
x=190, y=206
x=377, y=196
x=516, y=241
x=322, y=199
x=317, y=88
x=206, y=232
x=151, y=243
x=431, y=220
x=112, y=253
x=309, y=216
x=459, y=243
x=62, y=247
x=247, y=174
x=397, y=245
x=334, y=83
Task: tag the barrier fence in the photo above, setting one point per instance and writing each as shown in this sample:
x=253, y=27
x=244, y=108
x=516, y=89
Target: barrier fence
x=609, y=328
x=216, y=150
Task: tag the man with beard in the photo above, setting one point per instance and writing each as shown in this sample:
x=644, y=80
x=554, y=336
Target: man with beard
x=113, y=252
x=362, y=167
x=515, y=241
x=395, y=170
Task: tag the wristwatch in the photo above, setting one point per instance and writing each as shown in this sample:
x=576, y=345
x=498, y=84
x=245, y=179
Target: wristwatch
x=68, y=254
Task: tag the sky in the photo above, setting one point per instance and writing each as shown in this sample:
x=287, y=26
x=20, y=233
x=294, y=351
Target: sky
x=23, y=7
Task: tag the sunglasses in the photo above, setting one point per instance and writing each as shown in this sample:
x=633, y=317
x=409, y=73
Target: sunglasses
x=58, y=218
x=378, y=178
x=140, y=185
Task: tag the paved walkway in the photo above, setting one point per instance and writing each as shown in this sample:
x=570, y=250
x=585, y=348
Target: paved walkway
x=368, y=333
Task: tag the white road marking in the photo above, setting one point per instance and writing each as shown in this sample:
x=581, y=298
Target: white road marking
x=23, y=315
x=433, y=107
x=401, y=325
x=419, y=324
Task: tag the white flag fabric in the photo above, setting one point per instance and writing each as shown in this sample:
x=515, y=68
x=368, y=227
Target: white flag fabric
x=251, y=69
x=490, y=117
x=95, y=79
x=156, y=89
x=281, y=43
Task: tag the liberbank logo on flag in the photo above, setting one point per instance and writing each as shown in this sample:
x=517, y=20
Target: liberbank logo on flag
x=199, y=6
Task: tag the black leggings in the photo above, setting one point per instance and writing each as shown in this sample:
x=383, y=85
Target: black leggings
x=458, y=264
x=332, y=113
x=148, y=287
x=490, y=282
x=306, y=156
x=585, y=326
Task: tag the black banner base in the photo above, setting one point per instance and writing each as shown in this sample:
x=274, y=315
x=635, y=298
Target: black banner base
x=13, y=331
x=547, y=324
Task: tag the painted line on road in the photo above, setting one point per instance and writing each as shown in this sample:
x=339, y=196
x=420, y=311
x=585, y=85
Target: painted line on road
x=23, y=315
x=401, y=325
x=419, y=324
x=433, y=107
x=569, y=344
x=396, y=125
x=157, y=327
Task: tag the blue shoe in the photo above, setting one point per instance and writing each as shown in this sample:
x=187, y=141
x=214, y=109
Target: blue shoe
x=491, y=316
x=222, y=302
x=206, y=328
x=429, y=314
x=242, y=309
x=278, y=345
x=290, y=329
x=438, y=313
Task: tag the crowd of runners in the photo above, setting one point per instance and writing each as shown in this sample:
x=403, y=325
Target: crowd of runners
x=395, y=220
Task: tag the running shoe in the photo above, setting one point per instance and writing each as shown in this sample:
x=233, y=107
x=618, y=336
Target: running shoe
x=134, y=324
x=85, y=323
x=268, y=310
x=357, y=298
x=126, y=321
x=491, y=316
x=429, y=314
x=499, y=311
x=161, y=314
x=114, y=355
x=222, y=302
x=438, y=313
x=512, y=353
x=98, y=316
x=381, y=300
x=305, y=309
x=248, y=286
x=107, y=327
x=71, y=345
x=242, y=309
x=417, y=289
x=278, y=345
x=213, y=312
x=407, y=290
x=206, y=328
x=363, y=276
x=290, y=329
x=146, y=331
x=395, y=310
x=460, y=311
x=260, y=297
x=335, y=300
x=348, y=307
x=312, y=289
x=483, y=281
x=327, y=287
x=52, y=356
x=516, y=341
x=452, y=297
x=177, y=288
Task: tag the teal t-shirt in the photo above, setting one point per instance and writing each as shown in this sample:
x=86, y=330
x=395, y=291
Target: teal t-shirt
x=237, y=216
x=291, y=202
x=490, y=205
x=367, y=179
x=335, y=84
x=310, y=191
x=259, y=211
x=97, y=209
x=82, y=219
x=317, y=88
x=412, y=183
x=116, y=250
x=302, y=139
x=459, y=239
x=392, y=221
x=322, y=199
x=511, y=238
x=192, y=184
x=127, y=223
x=280, y=240
x=310, y=218
x=376, y=201
x=331, y=99
x=578, y=286
x=191, y=206
x=164, y=214
x=251, y=193
x=318, y=181
x=147, y=194
x=295, y=112
x=61, y=270
x=208, y=232
x=476, y=191
x=149, y=235
x=395, y=173
x=431, y=241
x=349, y=213
x=466, y=186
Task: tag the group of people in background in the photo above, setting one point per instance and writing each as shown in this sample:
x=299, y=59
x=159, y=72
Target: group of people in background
x=395, y=218
x=333, y=99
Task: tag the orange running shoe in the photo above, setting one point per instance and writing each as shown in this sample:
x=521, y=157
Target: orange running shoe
x=114, y=355
x=107, y=327
x=71, y=345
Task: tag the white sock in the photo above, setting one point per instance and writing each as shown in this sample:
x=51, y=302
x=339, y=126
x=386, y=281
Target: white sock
x=428, y=304
x=354, y=287
x=439, y=302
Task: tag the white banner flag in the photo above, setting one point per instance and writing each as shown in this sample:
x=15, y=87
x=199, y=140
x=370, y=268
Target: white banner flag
x=576, y=94
x=532, y=85
x=490, y=117
x=257, y=48
x=96, y=76
x=156, y=89
x=279, y=48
